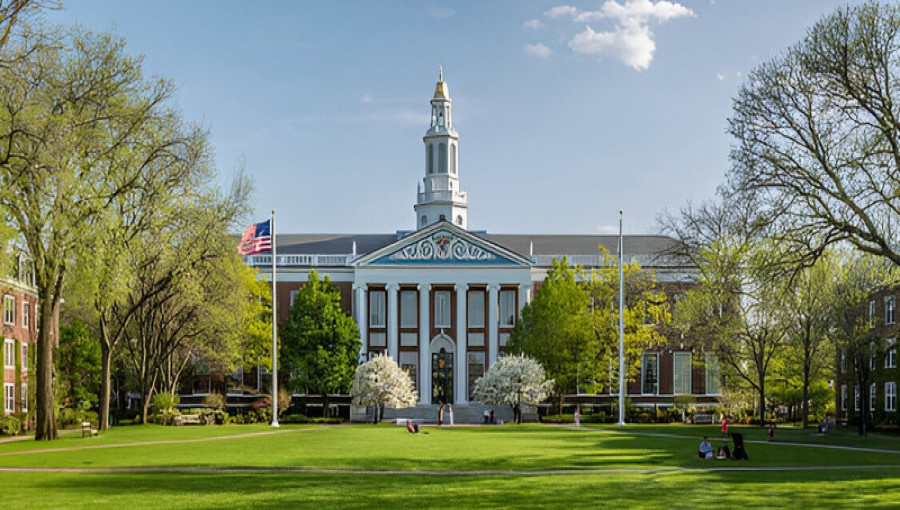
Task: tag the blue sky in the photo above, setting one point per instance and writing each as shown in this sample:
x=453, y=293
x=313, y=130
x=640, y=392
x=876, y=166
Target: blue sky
x=567, y=111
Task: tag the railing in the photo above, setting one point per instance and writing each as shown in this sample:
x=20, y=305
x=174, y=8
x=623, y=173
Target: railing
x=304, y=260
x=445, y=195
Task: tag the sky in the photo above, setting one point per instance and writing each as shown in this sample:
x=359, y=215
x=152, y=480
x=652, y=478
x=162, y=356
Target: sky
x=567, y=112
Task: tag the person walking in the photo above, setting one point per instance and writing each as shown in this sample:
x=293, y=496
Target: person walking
x=724, y=426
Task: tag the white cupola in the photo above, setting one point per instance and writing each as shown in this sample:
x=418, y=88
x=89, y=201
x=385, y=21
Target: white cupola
x=440, y=197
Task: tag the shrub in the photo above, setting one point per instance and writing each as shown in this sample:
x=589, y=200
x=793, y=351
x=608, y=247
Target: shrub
x=164, y=405
x=294, y=418
x=214, y=401
x=10, y=426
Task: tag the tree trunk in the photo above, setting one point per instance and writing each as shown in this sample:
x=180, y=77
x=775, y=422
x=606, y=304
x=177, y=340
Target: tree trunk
x=105, y=384
x=45, y=424
x=762, y=402
x=805, y=403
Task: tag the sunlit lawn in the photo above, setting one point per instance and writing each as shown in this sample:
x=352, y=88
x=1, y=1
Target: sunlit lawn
x=507, y=466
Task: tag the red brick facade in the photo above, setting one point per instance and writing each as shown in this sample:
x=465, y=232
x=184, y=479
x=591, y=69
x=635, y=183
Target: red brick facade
x=18, y=330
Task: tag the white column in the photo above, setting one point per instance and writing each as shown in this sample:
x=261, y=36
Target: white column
x=362, y=318
x=492, y=325
x=393, y=314
x=424, y=345
x=462, y=340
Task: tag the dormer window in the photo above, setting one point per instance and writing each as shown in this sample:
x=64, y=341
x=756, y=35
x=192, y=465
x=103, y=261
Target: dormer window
x=443, y=218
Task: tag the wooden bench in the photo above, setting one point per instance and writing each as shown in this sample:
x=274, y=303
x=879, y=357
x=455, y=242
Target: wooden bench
x=188, y=419
x=87, y=430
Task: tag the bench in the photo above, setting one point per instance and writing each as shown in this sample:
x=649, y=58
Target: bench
x=188, y=419
x=87, y=430
x=702, y=418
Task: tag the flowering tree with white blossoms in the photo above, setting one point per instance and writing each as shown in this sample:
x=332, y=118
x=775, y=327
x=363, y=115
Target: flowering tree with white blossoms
x=514, y=380
x=381, y=383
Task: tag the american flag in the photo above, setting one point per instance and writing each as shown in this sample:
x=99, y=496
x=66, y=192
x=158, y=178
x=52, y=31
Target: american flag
x=257, y=238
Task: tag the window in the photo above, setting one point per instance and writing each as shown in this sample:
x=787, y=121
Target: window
x=507, y=308
x=890, y=354
x=24, y=357
x=712, y=374
x=872, y=397
x=377, y=309
x=26, y=315
x=872, y=313
x=408, y=309
x=453, y=158
x=424, y=220
x=843, y=362
x=430, y=161
x=442, y=309
x=889, y=307
x=856, y=398
x=681, y=373
x=890, y=396
x=871, y=355
x=476, y=368
x=442, y=158
x=476, y=309
x=24, y=398
x=459, y=219
x=9, y=310
x=9, y=353
x=649, y=373
x=294, y=296
x=9, y=398
x=843, y=397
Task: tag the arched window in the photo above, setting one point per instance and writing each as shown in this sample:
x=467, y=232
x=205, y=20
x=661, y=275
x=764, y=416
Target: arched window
x=453, y=158
x=442, y=157
x=424, y=220
x=430, y=163
x=443, y=218
x=459, y=220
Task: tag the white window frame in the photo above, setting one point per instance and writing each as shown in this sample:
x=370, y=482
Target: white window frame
x=24, y=397
x=843, y=397
x=711, y=362
x=24, y=357
x=645, y=358
x=507, y=315
x=476, y=300
x=9, y=398
x=872, y=313
x=890, y=307
x=26, y=314
x=872, y=395
x=442, y=310
x=409, y=309
x=890, y=396
x=686, y=388
x=890, y=353
x=377, y=309
x=9, y=354
x=9, y=310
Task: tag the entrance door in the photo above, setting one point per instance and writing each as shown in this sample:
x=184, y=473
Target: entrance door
x=442, y=377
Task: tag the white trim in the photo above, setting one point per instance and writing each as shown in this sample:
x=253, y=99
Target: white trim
x=9, y=354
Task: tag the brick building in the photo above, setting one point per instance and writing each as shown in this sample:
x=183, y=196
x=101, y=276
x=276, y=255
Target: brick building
x=18, y=329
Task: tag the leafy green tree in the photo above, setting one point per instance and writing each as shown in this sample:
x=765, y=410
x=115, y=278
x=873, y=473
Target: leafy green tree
x=320, y=342
x=77, y=364
x=555, y=330
x=74, y=116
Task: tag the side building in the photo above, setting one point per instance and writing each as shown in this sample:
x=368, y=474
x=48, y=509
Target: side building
x=877, y=394
x=19, y=332
x=442, y=300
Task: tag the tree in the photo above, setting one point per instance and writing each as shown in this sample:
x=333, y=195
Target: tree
x=381, y=383
x=514, y=381
x=72, y=115
x=77, y=364
x=555, y=330
x=320, y=342
x=817, y=134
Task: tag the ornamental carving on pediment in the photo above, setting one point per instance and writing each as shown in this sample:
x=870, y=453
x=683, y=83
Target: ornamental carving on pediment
x=442, y=246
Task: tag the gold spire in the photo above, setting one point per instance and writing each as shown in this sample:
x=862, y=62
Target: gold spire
x=441, y=91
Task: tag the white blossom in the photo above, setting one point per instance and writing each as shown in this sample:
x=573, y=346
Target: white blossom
x=381, y=382
x=513, y=380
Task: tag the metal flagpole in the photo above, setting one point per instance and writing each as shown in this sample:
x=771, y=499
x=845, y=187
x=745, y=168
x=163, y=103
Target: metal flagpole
x=621, y=327
x=274, y=331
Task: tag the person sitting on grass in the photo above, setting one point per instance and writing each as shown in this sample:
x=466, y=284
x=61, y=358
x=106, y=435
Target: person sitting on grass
x=412, y=427
x=706, y=449
x=723, y=453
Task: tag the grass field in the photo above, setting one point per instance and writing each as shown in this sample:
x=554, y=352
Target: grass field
x=528, y=466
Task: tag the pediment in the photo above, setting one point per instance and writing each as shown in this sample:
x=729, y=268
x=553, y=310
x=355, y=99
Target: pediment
x=443, y=244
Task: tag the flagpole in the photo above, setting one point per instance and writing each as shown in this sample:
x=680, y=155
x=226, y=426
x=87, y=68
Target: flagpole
x=621, y=327
x=274, y=331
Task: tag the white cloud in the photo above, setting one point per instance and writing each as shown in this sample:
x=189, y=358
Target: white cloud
x=538, y=50
x=561, y=10
x=631, y=39
x=720, y=76
x=608, y=229
x=533, y=24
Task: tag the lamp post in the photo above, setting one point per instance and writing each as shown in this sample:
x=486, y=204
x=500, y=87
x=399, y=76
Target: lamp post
x=621, y=327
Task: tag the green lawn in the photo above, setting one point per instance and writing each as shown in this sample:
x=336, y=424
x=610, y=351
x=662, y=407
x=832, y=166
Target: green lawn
x=529, y=466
